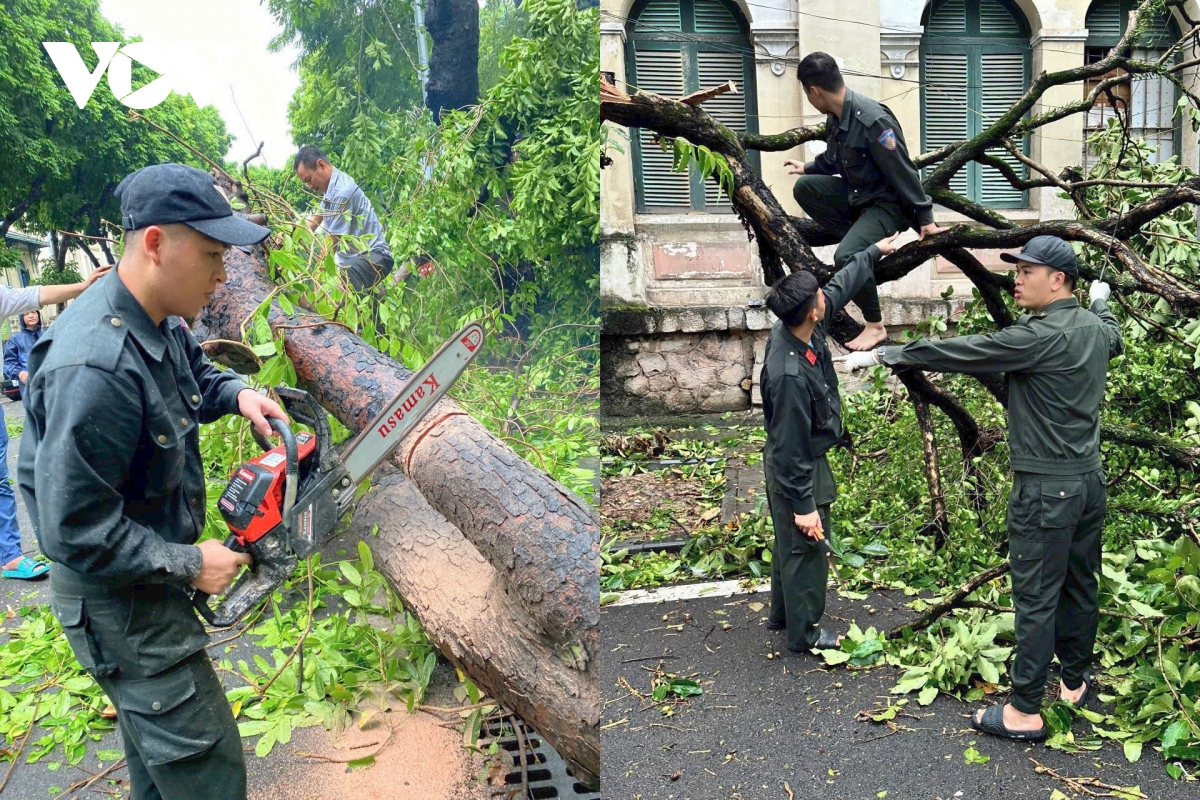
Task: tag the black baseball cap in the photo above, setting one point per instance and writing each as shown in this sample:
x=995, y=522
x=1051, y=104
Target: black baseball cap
x=1049, y=251
x=162, y=194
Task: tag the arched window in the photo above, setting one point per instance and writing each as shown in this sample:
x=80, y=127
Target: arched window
x=1152, y=98
x=677, y=47
x=974, y=66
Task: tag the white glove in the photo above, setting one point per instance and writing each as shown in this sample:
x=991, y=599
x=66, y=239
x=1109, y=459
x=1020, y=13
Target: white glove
x=1099, y=291
x=861, y=360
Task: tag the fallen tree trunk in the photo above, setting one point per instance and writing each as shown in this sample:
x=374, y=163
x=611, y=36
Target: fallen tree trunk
x=541, y=540
x=476, y=622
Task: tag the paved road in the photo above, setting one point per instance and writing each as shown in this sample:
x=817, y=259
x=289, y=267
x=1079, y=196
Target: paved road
x=763, y=721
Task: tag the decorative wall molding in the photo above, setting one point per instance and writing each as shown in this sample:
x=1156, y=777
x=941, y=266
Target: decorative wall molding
x=774, y=45
x=900, y=50
x=613, y=29
x=1058, y=36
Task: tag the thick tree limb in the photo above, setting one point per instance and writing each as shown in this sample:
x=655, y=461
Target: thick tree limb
x=954, y=600
x=783, y=141
x=940, y=523
x=538, y=537
x=1177, y=454
x=477, y=622
x=990, y=284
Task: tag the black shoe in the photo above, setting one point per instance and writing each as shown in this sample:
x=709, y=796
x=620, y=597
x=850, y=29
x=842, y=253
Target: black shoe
x=827, y=641
x=772, y=625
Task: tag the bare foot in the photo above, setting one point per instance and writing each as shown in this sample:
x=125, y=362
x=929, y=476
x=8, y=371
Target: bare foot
x=12, y=564
x=1016, y=720
x=1071, y=696
x=873, y=335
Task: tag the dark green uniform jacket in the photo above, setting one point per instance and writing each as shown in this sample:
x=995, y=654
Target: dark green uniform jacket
x=801, y=404
x=866, y=147
x=1055, y=363
x=110, y=463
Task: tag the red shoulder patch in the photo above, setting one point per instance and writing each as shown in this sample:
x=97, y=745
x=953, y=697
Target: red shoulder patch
x=812, y=357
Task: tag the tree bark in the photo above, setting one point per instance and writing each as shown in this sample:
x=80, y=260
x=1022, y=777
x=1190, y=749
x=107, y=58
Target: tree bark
x=17, y=211
x=541, y=540
x=940, y=524
x=477, y=622
x=453, y=26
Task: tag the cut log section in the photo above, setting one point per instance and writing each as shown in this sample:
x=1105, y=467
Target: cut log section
x=540, y=540
x=476, y=622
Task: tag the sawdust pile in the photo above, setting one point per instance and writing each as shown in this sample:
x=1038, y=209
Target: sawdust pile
x=422, y=761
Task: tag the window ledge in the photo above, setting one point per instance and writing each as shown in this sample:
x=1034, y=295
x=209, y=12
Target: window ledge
x=701, y=219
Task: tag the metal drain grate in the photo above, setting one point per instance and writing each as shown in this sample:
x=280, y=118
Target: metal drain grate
x=546, y=771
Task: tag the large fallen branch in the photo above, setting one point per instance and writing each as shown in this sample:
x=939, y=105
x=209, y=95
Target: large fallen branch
x=477, y=622
x=539, y=537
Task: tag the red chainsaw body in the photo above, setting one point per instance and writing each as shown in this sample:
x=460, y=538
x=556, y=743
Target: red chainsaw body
x=252, y=503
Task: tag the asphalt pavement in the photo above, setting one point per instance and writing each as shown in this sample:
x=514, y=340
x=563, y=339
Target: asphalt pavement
x=777, y=726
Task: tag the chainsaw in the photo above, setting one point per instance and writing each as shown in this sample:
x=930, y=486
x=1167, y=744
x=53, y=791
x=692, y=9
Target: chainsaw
x=283, y=505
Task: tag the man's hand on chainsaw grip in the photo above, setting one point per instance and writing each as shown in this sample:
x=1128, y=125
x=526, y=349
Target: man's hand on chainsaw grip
x=257, y=408
x=218, y=567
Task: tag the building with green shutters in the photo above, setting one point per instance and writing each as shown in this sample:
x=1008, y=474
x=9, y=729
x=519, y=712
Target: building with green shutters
x=681, y=285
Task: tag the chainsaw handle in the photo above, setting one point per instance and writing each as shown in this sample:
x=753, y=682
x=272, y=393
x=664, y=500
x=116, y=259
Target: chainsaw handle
x=200, y=599
x=293, y=463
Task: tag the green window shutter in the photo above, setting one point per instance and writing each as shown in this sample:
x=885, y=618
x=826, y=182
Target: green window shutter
x=659, y=16
x=1103, y=21
x=1004, y=81
x=714, y=17
x=950, y=18
x=968, y=81
x=677, y=47
x=715, y=68
x=996, y=20
x=946, y=116
x=661, y=72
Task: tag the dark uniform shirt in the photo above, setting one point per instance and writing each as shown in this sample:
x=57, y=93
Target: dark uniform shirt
x=866, y=147
x=801, y=404
x=1056, y=362
x=110, y=463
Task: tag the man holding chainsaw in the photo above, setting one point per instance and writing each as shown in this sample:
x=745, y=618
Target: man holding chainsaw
x=803, y=414
x=1055, y=361
x=111, y=473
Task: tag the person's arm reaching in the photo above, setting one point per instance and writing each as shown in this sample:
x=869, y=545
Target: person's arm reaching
x=1098, y=302
x=1012, y=349
x=841, y=288
x=52, y=295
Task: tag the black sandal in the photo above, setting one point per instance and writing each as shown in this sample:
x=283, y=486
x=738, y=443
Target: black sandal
x=1088, y=683
x=992, y=722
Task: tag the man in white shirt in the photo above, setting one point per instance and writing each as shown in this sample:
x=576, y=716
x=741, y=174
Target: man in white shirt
x=345, y=212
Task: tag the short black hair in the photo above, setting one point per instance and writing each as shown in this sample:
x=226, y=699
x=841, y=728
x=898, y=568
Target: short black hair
x=1068, y=279
x=793, y=296
x=819, y=69
x=308, y=156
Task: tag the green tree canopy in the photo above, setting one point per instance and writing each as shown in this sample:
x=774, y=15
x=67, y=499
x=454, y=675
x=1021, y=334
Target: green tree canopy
x=62, y=163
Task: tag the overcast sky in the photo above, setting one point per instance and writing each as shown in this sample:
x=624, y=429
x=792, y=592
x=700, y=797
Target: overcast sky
x=261, y=82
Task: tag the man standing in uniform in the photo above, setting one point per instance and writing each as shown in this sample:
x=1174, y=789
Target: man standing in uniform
x=803, y=420
x=879, y=192
x=13, y=564
x=345, y=211
x=111, y=473
x=1056, y=361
